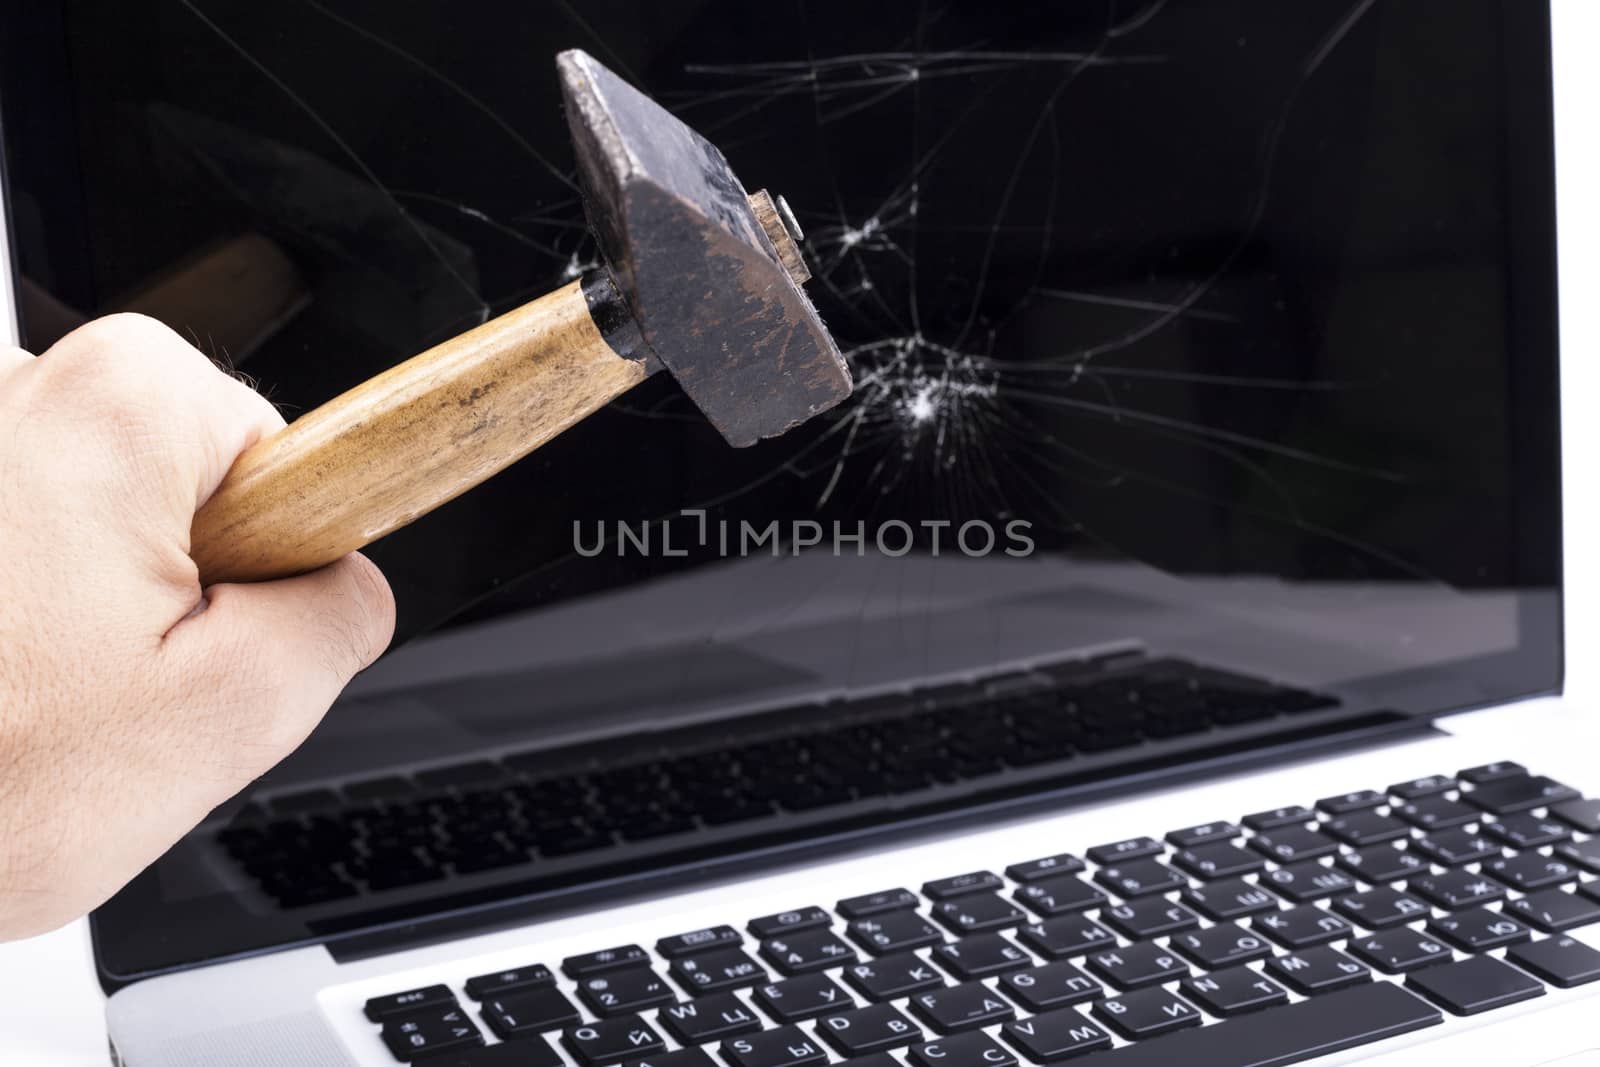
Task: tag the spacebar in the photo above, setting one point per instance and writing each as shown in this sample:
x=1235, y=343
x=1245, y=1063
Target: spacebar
x=1317, y=1027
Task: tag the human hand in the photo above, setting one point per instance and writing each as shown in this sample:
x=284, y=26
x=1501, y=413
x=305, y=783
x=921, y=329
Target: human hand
x=132, y=702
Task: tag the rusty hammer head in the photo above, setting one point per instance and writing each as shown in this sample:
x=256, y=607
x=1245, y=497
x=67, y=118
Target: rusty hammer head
x=714, y=289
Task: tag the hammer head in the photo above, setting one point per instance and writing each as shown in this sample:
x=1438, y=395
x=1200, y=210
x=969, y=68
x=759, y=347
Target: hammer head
x=696, y=268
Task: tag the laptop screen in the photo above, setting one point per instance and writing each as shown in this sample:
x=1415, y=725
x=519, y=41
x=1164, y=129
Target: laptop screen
x=1213, y=343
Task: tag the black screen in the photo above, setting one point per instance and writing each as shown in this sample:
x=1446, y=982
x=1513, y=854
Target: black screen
x=1222, y=330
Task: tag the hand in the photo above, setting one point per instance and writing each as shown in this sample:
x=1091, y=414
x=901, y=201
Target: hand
x=132, y=702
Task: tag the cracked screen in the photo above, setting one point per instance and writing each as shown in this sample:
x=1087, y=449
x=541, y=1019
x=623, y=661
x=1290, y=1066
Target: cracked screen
x=1214, y=329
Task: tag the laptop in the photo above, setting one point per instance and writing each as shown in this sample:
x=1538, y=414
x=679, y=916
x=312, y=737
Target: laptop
x=1137, y=670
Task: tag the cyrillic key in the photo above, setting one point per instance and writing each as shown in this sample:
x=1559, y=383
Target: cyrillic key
x=1320, y=1026
x=709, y=1018
x=1055, y=1036
x=1478, y=930
x=800, y=998
x=612, y=1041
x=1233, y=991
x=962, y=1007
x=861, y=1031
x=893, y=977
x=787, y=1046
x=1146, y=1013
x=1055, y=985
x=1554, y=909
x=961, y=1050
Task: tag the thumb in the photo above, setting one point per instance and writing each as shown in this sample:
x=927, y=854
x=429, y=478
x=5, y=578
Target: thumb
x=279, y=653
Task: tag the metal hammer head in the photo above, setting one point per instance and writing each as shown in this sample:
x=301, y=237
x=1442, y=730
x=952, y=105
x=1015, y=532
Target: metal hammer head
x=700, y=274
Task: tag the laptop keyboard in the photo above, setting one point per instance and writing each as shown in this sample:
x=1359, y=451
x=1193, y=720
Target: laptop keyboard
x=1292, y=933
x=325, y=845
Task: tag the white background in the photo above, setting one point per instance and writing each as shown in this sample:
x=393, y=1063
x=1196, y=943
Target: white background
x=50, y=1007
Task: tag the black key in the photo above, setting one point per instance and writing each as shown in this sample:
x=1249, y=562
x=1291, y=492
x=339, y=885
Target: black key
x=981, y=956
x=1530, y=871
x=1490, y=772
x=1137, y=965
x=1231, y=898
x=1150, y=917
x=976, y=912
x=801, y=998
x=713, y=972
x=861, y=1031
x=1069, y=935
x=1422, y=787
x=1221, y=946
x=1055, y=985
x=712, y=1018
x=893, y=977
x=1234, y=991
x=1290, y=844
x=1399, y=951
x=698, y=941
x=1456, y=889
x=623, y=992
x=1121, y=851
x=1580, y=814
x=1058, y=896
x=877, y=903
x=961, y=1050
x=1204, y=833
x=612, y=1041
x=533, y=976
x=962, y=1007
x=1551, y=910
x=1522, y=793
x=1436, y=813
x=528, y=1052
x=894, y=931
x=1308, y=881
x=1276, y=817
x=1055, y=1036
x=529, y=1011
x=1048, y=867
x=1219, y=859
x=1475, y=985
x=807, y=950
x=1478, y=930
x=955, y=886
x=609, y=959
x=1453, y=848
x=1146, y=1013
x=786, y=922
x=1317, y=970
x=1363, y=828
x=1585, y=854
x=1381, y=863
x=1344, y=803
x=433, y=996
x=428, y=1032
x=683, y=1057
x=1562, y=961
x=1139, y=877
x=1292, y=1034
x=787, y=1046
x=1380, y=908
x=877, y=1059
x=1526, y=831
x=1302, y=927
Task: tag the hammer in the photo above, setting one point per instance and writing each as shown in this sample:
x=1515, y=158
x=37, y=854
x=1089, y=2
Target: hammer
x=698, y=277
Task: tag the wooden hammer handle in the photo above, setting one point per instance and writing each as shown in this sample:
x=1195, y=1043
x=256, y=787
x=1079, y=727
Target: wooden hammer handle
x=401, y=444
